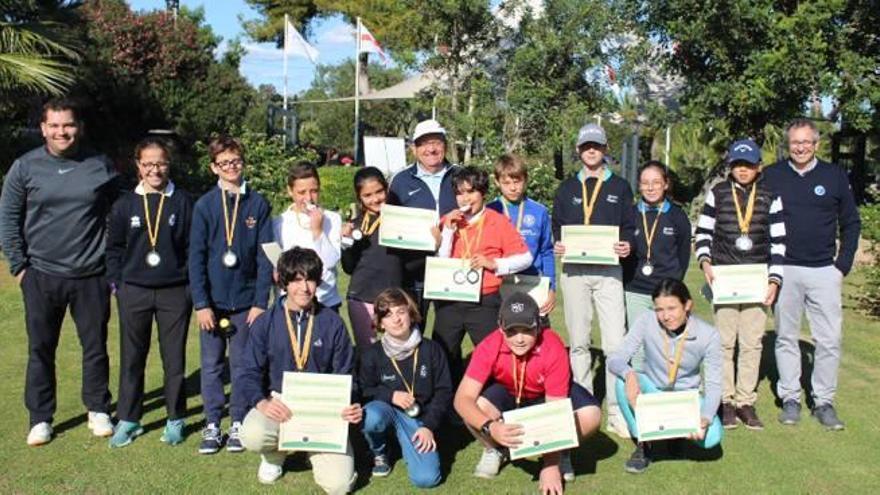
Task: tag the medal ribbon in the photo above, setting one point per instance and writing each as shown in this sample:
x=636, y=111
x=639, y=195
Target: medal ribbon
x=519, y=382
x=672, y=364
x=153, y=235
x=228, y=223
x=300, y=352
x=368, y=229
x=588, y=206
x=409, y=388
x=649, y=234
x=468, y=247
x=519, y=216
x=744, y=220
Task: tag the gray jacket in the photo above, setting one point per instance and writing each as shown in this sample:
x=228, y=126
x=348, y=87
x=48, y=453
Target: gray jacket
x=53, y=212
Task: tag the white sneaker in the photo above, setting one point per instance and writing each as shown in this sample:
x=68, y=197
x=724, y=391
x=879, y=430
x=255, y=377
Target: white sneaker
x=490, y=464
x=40, y=434
x=100, y=424
x=268, y=473
x=565, y=466
x=617, y=426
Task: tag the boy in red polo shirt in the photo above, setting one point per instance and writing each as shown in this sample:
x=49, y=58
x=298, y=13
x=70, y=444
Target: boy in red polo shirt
x=492, y=244
x=520, y=365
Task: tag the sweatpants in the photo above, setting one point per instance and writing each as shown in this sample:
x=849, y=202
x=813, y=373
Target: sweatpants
x=171, y=307
x=213, y=346
x=818, y=292
x=46, y=299
x=454, y=318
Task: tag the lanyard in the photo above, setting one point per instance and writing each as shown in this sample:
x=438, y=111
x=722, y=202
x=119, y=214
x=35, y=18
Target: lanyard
x=468, y=247
x=672, y=364
x=409, y=387
x=228, y=223
x=153, y=234
x=368, y=229
x=649, y=234
x=744, y=219
x=588, y=206
x=519, y=381
x=519, y=216
x=300, y=352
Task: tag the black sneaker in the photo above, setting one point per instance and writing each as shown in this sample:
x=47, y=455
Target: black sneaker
x=791, y=413
x=212, y=439
x=827, y=417
x=728, y=416
x=233, y=442
x=639, y=460
x=381, y=468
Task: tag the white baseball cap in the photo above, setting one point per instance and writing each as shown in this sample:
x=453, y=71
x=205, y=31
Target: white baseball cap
x=426, y=127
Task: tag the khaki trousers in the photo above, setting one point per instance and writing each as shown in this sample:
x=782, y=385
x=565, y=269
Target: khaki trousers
x=741, y=324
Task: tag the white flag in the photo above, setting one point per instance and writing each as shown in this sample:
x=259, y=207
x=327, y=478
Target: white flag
x=295, y=44
x=369, y=44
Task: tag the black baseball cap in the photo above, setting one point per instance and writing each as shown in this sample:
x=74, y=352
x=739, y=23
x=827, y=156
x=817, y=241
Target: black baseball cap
x=519, y=310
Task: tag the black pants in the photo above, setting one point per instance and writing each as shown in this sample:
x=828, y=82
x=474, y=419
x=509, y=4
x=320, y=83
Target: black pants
x=138, y=306
x=454, y=318
x=46, y=299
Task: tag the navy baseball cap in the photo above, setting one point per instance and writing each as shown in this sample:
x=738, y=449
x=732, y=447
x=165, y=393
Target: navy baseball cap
x=744, y=150
x=519, y=310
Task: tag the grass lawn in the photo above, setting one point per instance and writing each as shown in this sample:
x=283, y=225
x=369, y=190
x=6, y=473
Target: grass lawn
x=802, y=459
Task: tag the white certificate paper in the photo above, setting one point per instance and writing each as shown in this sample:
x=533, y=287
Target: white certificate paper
x=662, y=415
x=739, y=284
x=407, y=228
x=534, y=285
x=547, y=427
x=317, y=401
x=590, y=244
x=452, y=279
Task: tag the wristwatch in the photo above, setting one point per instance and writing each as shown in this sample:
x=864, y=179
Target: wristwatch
x=485, y=428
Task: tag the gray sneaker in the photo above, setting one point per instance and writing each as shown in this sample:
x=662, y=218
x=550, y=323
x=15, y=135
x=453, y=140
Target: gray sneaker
x=490, y=464
x=827, y=417
x=791, y=412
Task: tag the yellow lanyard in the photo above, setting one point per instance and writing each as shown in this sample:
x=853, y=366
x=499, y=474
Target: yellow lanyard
x=519, y=216
x=519, y=382
x=300, y=352
x=411, y=388
x=228, y=223
x=588, y=206
x=744, y=220
x=368, y=229
x=469, y=248
x=672, y=364
x=649, y=234
x=153, y=234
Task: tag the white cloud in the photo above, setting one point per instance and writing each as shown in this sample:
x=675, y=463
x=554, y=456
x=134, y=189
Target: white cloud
x=262, y=52
x=340, y=34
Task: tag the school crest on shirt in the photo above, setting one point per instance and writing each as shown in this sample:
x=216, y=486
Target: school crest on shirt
x=318, y=343
x=576, y=200
x=135, y=222
x=250, y=222
x=172, y=219
x=819, y=190
x=423, y=371
x=668, y=230
x=612, y=198
x=388, y=378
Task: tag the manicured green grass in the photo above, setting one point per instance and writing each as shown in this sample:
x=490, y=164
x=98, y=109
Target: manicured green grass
x=803, y=459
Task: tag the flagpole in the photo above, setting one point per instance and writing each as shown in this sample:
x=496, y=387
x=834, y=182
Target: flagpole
x=357, y=89
x=284, y=57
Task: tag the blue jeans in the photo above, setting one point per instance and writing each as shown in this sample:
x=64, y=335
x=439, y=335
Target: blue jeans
x=379, y=419
x=713, y=434
x=213, y=346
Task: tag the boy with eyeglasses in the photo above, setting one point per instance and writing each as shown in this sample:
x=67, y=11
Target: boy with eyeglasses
x=230, y=279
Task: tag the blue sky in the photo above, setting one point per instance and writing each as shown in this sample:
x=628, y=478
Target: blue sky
x=263, y=63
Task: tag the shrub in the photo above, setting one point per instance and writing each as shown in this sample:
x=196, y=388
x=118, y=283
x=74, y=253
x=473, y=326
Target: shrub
x=869, y=298
x=337, y=189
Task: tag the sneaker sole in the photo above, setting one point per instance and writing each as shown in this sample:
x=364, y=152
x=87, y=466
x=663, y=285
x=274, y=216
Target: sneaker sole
x=102, y=433
x=789, y=422
x=208, y=451
x=266, y=481
x=568, y=478
x=235, y=450
x=381, y=475
x=750, y=427
x=38, y=443
x=730, y=427
x=634, y=470
x=485, y=476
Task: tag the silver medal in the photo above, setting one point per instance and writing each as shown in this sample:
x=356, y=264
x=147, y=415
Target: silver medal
x=743, y=243
x=647, y=269
x=473, y=276
x=357, y=235
x=413, y=410
x=153, y=259
x=230, y=259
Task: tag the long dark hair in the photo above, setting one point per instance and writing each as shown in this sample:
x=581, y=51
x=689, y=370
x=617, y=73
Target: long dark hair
x=674, y=288
x=367, y=174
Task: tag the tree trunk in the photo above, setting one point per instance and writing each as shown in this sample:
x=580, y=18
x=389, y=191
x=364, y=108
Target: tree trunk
x=558, y=163
x=469, y=142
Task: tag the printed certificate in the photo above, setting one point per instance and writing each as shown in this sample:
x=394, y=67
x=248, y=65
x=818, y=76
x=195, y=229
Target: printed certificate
x=590, y=244
x=739, y=284
x=407, y=228
x=317, y=401
x=534, y=285
x=662, y=415
x=547, y=427
x=452, y=279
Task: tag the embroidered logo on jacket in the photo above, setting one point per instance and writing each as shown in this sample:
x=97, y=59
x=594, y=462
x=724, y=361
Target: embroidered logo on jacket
x=172, y=219
x=668, y=230
x=318, y=343
x=819, y=190
x=612, y=198
x=250, y=222
x=135, y=222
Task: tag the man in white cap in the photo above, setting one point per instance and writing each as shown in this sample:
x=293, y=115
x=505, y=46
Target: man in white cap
x=594, y=196
x=424, y=184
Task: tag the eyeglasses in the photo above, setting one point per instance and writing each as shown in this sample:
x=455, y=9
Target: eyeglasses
x=227, y=164
x=802, y=143
x=652, y=185
x=154, y=165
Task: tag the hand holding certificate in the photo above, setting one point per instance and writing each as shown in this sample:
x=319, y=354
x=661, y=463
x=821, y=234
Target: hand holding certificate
x=407, y=228
x=662, y=415
x=452, y=279
x=316, y=401
x=547, y=427
x=739, y=284
x=590, y=244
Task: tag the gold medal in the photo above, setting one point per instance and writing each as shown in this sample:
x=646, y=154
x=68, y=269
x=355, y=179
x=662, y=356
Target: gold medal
x=230, y=259
x=672, y=363
x=589, y=205
x=519, y=215
x=300, y=350
x=413, y=410
x=153, y=259
x=648, y=269
x=743, y=243
x=518, y=382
